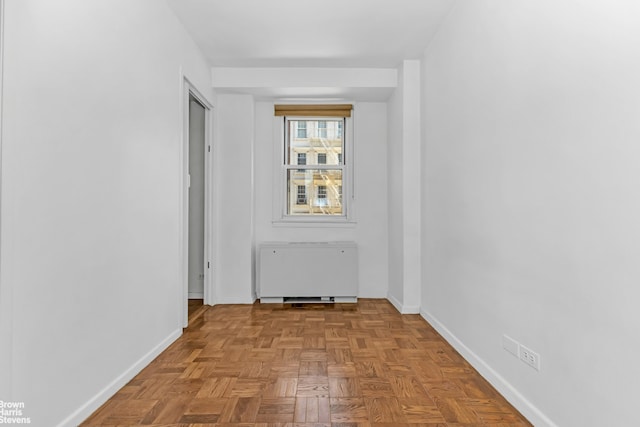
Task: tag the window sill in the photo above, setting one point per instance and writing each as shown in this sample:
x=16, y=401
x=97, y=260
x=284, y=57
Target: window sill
x=315, y=222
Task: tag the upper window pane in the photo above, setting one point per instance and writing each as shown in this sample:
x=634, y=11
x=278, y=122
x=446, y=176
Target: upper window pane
x=320, y=140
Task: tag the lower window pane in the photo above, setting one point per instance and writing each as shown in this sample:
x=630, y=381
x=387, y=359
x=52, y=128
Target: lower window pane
x=314, y=192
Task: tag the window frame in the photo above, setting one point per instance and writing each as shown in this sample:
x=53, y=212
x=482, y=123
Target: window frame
x=281, y=214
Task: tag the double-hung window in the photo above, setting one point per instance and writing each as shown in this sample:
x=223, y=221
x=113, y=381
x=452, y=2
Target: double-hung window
x=314, y=167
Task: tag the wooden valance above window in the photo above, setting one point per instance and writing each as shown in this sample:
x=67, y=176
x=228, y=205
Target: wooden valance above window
x=314, y=110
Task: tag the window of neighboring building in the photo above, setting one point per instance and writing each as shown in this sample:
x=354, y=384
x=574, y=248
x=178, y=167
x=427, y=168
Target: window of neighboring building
x=302, y=129
x=321, y=196
x=302, y=160
x=322, y=158
x=302, y=195
x=322, y=129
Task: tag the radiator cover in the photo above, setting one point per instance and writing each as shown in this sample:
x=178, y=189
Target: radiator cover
x=327, y=271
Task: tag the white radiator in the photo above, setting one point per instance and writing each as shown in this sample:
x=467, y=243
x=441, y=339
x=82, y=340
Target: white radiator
x=301, y=272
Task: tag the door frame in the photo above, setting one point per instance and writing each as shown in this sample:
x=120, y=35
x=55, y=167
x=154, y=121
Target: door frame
x=209, y=296
x=6, y=289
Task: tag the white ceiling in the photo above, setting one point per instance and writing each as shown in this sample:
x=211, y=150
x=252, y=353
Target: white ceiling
x=302, y=33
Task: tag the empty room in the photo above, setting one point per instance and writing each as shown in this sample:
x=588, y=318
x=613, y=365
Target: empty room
x=349, y=213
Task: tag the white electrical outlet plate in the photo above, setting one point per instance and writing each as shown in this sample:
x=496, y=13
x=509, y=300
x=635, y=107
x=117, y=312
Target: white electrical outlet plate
x=530, y=357
x=510, y=345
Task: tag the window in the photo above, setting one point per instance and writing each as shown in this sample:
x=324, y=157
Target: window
x=302, y=160
x=321, y=196
x=313, y=162
x=321, y=173
x=302, y=195
x=302, y=129
x=322, y=129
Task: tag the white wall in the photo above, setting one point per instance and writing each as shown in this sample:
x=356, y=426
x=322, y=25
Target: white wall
x=6, y=309
x=370, y=230
x=90, y=197
x=411, y=177
x=370, y=124
x=234, y=204
x=404, y=190
x=531, y=200
x=395, y=140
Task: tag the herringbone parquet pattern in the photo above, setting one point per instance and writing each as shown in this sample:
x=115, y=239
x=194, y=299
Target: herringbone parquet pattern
x=342, y=365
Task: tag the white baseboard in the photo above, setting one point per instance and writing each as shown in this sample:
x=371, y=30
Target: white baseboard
x=526, y=408
x=96, y=401
x=196, y=295
x=394, y=302
x=410, y=309
x=403, y=309
x=234, y=300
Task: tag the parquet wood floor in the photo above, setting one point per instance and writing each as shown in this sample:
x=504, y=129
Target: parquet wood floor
x=195, y=309
x=283, y=365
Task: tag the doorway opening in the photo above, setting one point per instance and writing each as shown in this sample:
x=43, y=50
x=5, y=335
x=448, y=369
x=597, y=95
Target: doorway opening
x=196, y=212
x=196, y=266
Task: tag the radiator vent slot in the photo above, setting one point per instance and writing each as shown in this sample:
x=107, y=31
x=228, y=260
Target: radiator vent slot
x=308, y=300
